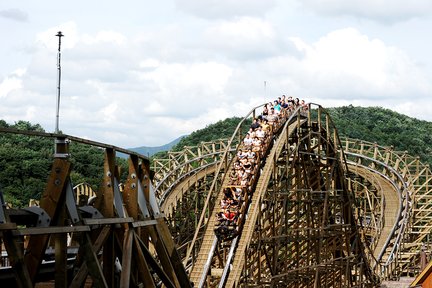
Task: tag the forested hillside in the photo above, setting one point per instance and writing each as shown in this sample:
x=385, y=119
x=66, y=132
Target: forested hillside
x=25, y=161
x=372, y=124
x=386, y=128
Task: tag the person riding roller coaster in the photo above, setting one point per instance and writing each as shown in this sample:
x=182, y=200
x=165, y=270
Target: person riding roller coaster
x=244, y=174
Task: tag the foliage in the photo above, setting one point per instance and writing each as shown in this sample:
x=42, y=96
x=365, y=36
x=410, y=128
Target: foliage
x=385, y=127
x=24, y=163
x=87, y=162
x=373, y=124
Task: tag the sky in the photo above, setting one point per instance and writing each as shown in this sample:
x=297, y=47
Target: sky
x=142, y=73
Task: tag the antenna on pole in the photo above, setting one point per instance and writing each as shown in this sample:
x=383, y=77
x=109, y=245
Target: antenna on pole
x=265, y=91
x=61, y=144
x=59, y=35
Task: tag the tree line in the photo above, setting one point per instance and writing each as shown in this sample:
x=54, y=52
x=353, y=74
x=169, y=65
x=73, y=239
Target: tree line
x=25, y=161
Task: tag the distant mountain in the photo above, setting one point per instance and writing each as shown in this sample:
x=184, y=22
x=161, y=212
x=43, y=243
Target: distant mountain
x=149, y=151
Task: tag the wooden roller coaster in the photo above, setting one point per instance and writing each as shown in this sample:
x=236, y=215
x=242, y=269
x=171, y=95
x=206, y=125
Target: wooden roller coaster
x=390, y=187
x=322, y=212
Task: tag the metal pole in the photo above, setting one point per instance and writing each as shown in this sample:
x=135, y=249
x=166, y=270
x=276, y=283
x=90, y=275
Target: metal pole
x=61, y=148
x=59, y=35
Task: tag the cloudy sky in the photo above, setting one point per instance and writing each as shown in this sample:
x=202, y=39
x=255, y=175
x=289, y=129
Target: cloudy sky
x=145, y=72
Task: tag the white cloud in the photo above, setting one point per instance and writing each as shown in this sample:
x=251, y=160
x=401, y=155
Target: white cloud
x=347, y=64
x=104, y=37
x=136, y=80
x=187, y=89
x=9, y=84
x=109, y=112
x=244, y=38
x=14, y=14
x=225, y=8
x=149, y=63
x=379, y=10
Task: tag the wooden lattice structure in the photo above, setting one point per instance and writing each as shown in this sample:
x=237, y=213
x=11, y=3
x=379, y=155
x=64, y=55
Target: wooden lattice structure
x=258, y=263
x=323, y=212
x=392, y=205
x=121, y=239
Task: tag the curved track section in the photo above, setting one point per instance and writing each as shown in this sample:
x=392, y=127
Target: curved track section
x=386, y=171
x=389, y=193
x=181, y=187
x=180, y=164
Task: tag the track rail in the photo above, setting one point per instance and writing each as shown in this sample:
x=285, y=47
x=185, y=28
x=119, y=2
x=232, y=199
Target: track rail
x=245, y=237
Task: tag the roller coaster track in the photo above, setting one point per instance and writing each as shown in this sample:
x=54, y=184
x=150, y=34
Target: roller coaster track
x=199, y=273
x=247, y=234
x=208, y=246
x=392, y=188
x=323, y=211
x=384, y=186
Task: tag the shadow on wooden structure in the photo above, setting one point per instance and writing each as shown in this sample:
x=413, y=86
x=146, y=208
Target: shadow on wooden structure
x=121, y=239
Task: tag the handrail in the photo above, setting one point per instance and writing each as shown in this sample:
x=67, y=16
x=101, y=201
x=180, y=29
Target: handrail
x=228, y=262
x=208, y=263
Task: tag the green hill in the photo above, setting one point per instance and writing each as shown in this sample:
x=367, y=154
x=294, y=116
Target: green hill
x=373, y=124
x=385, y=127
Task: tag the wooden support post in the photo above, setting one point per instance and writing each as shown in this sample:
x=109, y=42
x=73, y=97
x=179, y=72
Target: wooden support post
x=91, y=265
x=52, y=202
x=175, y=263
x=144, y=271
x=60, y=244
x=127, y=258
x=105, y=204
x=16, y=256
x=159, y=269
x=130, y=196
